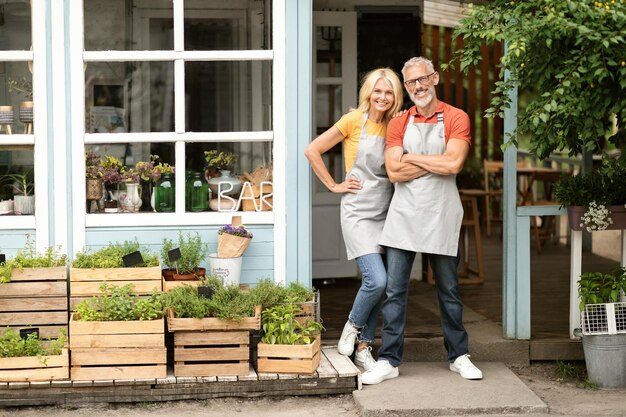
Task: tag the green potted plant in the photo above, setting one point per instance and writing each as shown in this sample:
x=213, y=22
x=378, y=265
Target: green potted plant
x=595, y=200
x=211, y=335
x=91, y=267
x=225, y=184
x=24, y=359
x=28, y=264
x=23, y=191
x=288, y=345
x=111, y=177
x=149, y=173
x=118, y=335
x=186, y=265
x=603, y=327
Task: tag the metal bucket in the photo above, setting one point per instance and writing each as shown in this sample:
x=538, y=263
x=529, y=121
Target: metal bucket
x=605, y=356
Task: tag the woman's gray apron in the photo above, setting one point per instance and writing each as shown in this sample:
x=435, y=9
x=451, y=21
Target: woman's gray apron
x=363, y=214
x=425, y=214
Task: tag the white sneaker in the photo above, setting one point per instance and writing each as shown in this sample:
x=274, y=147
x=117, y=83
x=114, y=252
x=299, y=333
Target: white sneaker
x=347, y=339
x=381, y=371
x=464, y=366
x=364, y=359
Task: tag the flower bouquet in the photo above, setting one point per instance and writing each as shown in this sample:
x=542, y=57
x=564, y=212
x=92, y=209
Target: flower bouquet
x=232, y=240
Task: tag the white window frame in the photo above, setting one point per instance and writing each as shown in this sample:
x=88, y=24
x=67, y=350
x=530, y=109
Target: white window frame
x=39, y=139
x=83, y=220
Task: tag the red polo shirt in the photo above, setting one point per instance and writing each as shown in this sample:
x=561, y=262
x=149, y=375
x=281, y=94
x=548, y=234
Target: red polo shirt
x=455, y=122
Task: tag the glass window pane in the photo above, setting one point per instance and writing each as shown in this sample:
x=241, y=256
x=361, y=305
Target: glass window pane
x=17, y=180
x=129, y=97
x=16, y=95
x=228, y=28
x=328, y=51
x=132, y=25
x=328, y=106
x=228, y=96
x=15, y=27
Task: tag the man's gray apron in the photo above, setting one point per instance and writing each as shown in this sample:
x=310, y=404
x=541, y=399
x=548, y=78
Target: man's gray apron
x=425, y=214
x=363, y=214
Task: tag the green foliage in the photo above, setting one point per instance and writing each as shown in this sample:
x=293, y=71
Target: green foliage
x=230, y=303
x=267, y=293
x=605, y=185
x=565, y=370
x=28, y=257
x=192, y=252
x=589, y=384
x=120, y=304
x=280, y=325
x=111, y=256
x=597, y=287
x=573, y=53
x=12, y=345
x=21, y=183
x=220, y=160
x=186, y=303
x=22, y=86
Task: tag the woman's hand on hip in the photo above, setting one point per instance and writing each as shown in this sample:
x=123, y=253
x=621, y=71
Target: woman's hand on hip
x=350, y=185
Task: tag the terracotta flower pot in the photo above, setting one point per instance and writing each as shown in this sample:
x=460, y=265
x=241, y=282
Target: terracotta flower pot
x=200, y=272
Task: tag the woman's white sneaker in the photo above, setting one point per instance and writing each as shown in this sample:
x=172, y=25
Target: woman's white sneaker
x=347, y=339
x=364, y=359
x=381, y=371
x=464, y=366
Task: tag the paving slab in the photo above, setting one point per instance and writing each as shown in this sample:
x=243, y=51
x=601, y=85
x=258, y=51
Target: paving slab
x=431, y=389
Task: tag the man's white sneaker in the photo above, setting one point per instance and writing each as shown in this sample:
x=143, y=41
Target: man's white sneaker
x=464, y=366
x=364, y=359
x=381, y=371
x=347, y=339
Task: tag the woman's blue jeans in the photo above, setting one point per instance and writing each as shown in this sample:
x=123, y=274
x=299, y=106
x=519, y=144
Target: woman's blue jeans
x=399, y=263
x=364, y=313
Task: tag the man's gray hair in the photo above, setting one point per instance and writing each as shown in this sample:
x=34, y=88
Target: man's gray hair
x=418, y=60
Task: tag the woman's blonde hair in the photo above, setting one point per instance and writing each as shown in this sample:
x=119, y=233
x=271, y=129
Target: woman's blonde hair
x=369, y=81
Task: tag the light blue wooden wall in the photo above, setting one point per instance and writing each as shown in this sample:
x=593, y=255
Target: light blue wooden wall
x=258, y=260
x=13, y=240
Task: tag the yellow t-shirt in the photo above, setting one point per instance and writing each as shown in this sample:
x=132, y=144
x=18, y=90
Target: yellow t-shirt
x=350, y=127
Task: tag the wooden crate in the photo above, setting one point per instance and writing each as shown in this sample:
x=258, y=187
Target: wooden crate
x=211, y=346
x=34, y=368
x=85, y=282
x=35, y=297
x=289, y=359
x=170, y=285
x=117, y=349
x=310, y=310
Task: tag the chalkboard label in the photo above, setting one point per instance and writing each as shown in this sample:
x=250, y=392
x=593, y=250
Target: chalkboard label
x=25, y=332
x=132, y=259
x=173, y=255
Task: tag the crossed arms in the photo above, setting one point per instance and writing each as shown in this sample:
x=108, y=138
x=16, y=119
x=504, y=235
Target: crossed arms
x=406, y=167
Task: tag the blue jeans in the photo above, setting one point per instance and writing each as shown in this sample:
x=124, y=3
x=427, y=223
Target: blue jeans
x=399, y=263
x=364, y=313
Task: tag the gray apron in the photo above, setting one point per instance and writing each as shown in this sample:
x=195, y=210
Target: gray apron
x=363, y=214
x=425, y=214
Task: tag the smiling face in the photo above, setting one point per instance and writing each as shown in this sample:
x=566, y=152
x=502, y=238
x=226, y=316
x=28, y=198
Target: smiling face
x=382, y=97
x=422, y=92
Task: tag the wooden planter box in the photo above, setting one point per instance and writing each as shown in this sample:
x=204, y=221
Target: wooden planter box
x=310, y=310
x=33, y=368
x=170, y=285
x=211, y=346
x=35, y=297
x=117, y=349
x=85, y=282
x=289, y=359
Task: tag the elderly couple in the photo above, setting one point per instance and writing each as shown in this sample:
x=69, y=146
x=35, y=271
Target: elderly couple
x=399, y=197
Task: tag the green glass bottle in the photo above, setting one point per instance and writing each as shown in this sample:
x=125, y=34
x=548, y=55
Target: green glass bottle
x=165, y=194
x=199, y=193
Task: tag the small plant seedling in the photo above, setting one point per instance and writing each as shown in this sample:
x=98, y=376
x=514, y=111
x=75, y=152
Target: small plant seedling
x=565, y=370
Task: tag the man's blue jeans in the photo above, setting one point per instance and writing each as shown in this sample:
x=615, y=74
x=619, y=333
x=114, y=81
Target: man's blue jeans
x=364, y=313
x=399, y=263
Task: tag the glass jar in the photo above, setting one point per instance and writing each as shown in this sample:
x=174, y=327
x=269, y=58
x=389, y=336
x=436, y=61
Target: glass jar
x=188, y=187
x=199, y=193
x=165, y=194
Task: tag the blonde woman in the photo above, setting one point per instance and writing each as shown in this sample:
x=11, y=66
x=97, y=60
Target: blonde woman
x=366, y=194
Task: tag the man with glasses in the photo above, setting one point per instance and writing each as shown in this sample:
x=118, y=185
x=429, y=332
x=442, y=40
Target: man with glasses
x=426, y=148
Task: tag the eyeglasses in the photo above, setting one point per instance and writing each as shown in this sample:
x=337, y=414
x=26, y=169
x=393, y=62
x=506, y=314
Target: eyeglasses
x=422, y=80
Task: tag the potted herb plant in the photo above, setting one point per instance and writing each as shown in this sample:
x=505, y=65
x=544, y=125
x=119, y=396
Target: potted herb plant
x=118, y=335
x=225, y=184
x=232, y=241
x=23, y=191
x=288, y=345
x=595, y=200
x=111, y=177
x=118, y=264
x=24, y=359
x=603, y=308
x=211, y=335
x=186, y=265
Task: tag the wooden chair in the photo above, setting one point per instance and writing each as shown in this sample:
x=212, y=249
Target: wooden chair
x=493, y=174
